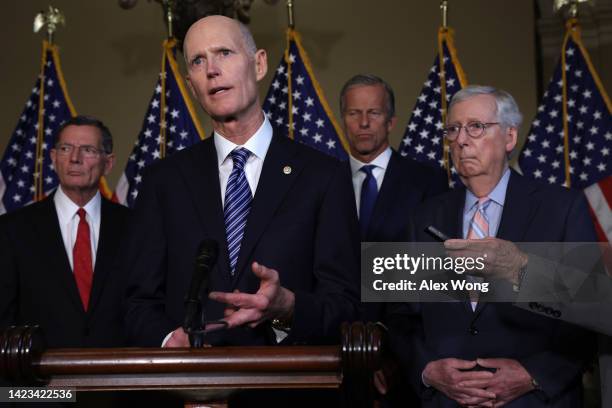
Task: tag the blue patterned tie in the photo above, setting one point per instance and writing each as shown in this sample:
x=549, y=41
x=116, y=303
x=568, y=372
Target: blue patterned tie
x=238, y=199
x=369, y=192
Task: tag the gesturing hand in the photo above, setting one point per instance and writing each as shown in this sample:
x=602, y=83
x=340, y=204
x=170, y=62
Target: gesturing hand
x=271, y=301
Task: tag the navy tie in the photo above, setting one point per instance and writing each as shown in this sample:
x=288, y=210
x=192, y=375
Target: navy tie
x=369, y=191
x=238, y=199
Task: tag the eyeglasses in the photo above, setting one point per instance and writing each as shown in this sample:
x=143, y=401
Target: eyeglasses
x=473, y=129
x=87, y=151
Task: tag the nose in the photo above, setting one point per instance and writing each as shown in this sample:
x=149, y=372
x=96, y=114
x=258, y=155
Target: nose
x=364, y=121
x=75, y=155
x=212, y=68
x=462, y=137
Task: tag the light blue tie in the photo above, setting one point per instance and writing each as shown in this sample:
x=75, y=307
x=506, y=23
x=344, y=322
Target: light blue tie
x=238, y=199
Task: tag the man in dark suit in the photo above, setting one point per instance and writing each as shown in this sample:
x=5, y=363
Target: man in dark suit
x=57, y=266
x=398, y=184
x=470, y=352
x=387, y=186
x=282, y=214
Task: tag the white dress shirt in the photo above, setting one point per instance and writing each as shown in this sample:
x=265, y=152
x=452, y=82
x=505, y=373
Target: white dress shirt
x=381, y=162
x=69, y=222
x=258, y=146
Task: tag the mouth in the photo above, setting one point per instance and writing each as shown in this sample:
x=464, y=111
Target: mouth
x=218, y=90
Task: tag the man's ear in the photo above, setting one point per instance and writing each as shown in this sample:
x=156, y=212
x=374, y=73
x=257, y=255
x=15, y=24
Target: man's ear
x=188, y=79
x=110, y=162
x=391, y=123
x=511, y=139
x=261, y=64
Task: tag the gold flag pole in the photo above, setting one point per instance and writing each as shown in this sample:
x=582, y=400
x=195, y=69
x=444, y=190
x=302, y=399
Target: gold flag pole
x=290, y=14
x=444, y=11
x=443, y=32
x=290, y=35
x=572, y=6
x=168, y=6
x=52, y=18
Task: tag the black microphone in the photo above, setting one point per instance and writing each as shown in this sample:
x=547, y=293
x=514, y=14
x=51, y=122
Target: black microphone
x=206, y=258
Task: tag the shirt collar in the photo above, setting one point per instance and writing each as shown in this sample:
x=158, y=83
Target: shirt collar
x=381, y=161
x=257, y=144
x=66, y=208
x=498, y=195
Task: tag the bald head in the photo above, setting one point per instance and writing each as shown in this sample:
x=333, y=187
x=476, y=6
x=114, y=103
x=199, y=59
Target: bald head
x=226, y=23
x=223, y=69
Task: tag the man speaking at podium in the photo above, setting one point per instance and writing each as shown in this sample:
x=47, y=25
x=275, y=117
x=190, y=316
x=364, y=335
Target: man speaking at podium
x=282, y=214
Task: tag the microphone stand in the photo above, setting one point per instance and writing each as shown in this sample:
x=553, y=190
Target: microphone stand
x=194, y=324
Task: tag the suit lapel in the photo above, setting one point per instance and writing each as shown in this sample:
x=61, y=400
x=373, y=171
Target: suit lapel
x=104, y=253
x=206, y=192
x=274, y=182
x=518, y=212
x=519, y=209
x=386, y=196
x=53, y=245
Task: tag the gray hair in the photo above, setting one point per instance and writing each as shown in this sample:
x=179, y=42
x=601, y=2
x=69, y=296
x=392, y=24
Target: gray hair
x=507, y=111
x=247, y=37
x=84, y=120
x=369, y=80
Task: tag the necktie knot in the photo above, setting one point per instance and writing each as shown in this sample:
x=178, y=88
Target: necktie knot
x=367, y=169
x=239, y=157
x=483, y=203
x=82, y=214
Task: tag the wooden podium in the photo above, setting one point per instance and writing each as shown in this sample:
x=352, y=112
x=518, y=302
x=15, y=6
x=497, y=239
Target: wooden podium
x=202, y=377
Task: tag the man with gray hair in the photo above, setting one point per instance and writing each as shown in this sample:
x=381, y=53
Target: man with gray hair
x=470, y=352
x=387, y=186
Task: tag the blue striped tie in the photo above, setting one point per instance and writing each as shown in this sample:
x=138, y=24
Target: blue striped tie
x=238, y=199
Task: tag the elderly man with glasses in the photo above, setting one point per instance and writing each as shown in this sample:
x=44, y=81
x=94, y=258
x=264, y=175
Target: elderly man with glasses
x=470, y=352
x=57, y=255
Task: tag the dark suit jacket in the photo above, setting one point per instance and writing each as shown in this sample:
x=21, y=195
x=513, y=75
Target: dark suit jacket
x=407, y=183
x=553, y=352
x=303, y=224
x=37, y=285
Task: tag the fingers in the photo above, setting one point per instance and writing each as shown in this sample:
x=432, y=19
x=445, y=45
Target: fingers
x=461, y=364
x=481, y=383
x=479, y=375
x=456, y=243
x=491, y=362
x=242, y=317
x=477, y=395
x=264, y=273
x=178, y=338
x=240, y=300
x=380, y=382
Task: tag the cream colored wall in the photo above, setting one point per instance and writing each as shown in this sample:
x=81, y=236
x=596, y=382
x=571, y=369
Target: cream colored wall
x=111, y=57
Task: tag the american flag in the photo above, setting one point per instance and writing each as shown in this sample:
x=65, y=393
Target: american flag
x=423, y=140
x=170, y=125
x=26, y=171
x=294, y=88
x=570, y=140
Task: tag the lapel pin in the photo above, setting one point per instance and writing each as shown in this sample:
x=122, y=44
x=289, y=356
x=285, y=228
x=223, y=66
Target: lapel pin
x=287, y=169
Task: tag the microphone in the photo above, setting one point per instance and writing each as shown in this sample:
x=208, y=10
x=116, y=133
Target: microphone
x=206, y=258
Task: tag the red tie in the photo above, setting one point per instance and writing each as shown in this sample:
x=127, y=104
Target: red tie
x=81, y=255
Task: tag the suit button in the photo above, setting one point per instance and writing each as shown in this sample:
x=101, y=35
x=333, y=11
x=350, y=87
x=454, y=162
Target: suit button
x=533, y=305
x=557, y=314
x=473, y=331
